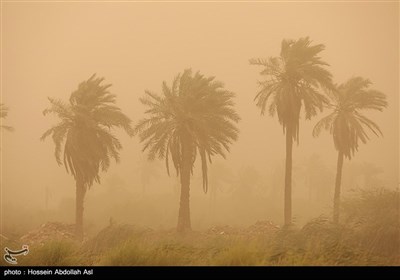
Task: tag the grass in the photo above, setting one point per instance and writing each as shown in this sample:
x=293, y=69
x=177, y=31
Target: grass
x=194, y=249
x=365, y=237
x=53, y=253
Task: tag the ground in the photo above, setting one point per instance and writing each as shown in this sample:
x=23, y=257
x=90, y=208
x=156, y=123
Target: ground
x=317, y=243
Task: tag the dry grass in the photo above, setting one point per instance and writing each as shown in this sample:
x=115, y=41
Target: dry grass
x=369, y=235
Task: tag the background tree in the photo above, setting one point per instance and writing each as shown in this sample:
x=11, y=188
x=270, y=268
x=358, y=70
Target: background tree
x=317, y=178
x=347, y=125
x=148, y=172
x=221, y=180
x=195, y=116
x=292, y=81
x=84, y=133
x=3, y=115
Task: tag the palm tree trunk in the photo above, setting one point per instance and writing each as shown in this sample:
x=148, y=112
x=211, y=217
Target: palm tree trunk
x=184, y=207
x=80, y=196
x=336, y=199
x=288, y=177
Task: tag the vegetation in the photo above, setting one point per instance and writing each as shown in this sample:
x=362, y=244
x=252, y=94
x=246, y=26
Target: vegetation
x=348, y=125
x=195, y=116
x=3, y=115
x=366, y=237
x=374, y=216
x=292, y=81
x=84, y=134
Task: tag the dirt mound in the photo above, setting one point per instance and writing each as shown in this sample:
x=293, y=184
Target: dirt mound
x=262, y=227
x=114, y=235
x=222, y=230
x=49, y=231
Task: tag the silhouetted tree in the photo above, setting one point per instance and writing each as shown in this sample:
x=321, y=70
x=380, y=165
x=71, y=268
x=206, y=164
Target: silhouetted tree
x=221, y=180
x=317, y=179
x=347, y=125
x=292, y=81
x=3, y=115
x=195, y=116
x=247, y=180
x=148, y=172
x=84, y=134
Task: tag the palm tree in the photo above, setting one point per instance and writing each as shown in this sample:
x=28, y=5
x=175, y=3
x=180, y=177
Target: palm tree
x=3, y=115
x=347, y=125
x=85, y=134
x=195, y=116
x=292, y=81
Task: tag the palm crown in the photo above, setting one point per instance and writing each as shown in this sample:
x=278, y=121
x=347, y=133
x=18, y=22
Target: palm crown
x=346, y=123
x=85, y=127
x=196, y=112
x=293, y=79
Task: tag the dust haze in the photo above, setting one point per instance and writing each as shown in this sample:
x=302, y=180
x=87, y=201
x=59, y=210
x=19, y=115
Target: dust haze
x=49, y=49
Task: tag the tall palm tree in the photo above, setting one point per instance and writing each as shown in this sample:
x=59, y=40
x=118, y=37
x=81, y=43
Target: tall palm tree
x=3, y=115
x=84, y=133
x=193, y=116
x=347, y=125
x=292, y=81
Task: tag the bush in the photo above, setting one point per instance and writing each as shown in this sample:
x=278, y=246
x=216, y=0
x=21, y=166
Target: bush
x=373, y=215
x=53, y=253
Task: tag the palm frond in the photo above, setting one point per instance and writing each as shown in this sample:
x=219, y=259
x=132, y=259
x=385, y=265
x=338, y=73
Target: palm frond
x=325, y=123
x=297, y=78
x=346, y=123
x=195, y=108
x=84, y=133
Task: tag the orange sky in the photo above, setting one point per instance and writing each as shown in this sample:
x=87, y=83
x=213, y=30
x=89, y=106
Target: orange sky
x=48, y=48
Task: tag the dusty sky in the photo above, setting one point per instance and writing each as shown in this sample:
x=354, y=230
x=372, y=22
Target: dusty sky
x=48, y=48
